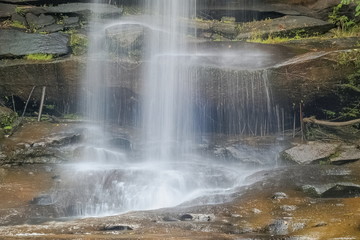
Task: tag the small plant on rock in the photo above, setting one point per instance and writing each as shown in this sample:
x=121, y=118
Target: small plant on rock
x=347, y=23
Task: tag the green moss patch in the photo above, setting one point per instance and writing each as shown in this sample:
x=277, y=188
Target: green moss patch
x=39, y=57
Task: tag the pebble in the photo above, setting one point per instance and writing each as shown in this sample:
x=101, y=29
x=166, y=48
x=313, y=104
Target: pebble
x=279, y=195
x=288, y=208
x=320, y=224
x=256, y=211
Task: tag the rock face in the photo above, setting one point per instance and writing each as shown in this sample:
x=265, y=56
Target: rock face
x=17, y=44
x=221, y=79
x=223, y=67
x=307, y=76
x=63, y=79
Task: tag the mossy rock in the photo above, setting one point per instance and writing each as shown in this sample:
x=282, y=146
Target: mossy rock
x=7, y=118
x=79, y=43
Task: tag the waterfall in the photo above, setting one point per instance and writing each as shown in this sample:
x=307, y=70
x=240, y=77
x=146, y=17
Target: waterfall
x=168, y=78
x=183, y=89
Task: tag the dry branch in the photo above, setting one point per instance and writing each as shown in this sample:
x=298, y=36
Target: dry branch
x=331, y=124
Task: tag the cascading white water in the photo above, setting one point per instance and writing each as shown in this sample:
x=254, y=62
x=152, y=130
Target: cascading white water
x=168, y=79
x=108, y=180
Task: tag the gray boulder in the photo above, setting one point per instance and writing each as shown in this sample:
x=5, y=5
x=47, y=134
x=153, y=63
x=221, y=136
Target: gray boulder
x=15, y=43
x=310, y=152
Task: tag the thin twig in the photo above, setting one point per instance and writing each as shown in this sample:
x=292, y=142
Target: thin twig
x=27, y=102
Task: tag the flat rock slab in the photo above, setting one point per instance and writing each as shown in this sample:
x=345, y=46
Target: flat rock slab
x=347, y=154
x=333, y=190
x=6, y=10
x=52, y=28
x=19, y=1
x=310, y=152
x=101, y=10
x=36, y=22
x=15, y=43
x=287, y=25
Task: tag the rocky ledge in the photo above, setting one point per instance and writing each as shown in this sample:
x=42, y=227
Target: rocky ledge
x=32, y=43
x=35, y=143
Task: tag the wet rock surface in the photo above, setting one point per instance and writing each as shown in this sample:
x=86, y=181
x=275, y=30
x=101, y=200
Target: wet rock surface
x=126, y=39
x=299, y=216
x=290, y=202
x=31, y=145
